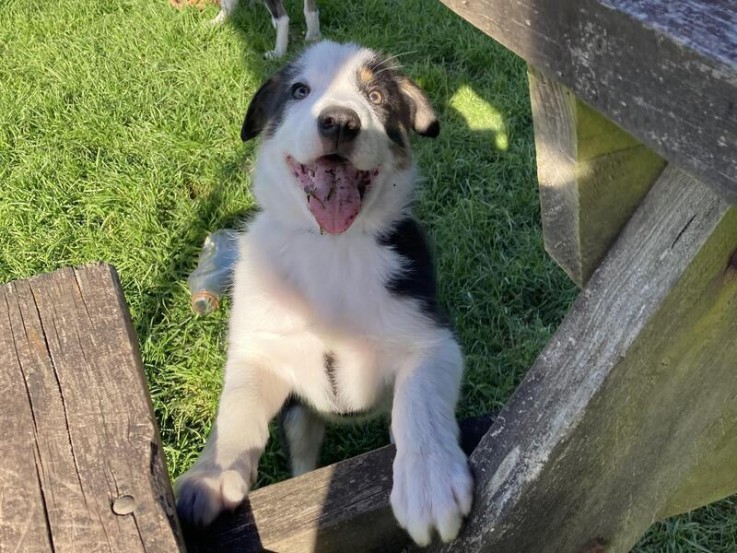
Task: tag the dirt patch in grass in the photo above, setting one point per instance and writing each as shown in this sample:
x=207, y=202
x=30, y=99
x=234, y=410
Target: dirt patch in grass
x=199, y=4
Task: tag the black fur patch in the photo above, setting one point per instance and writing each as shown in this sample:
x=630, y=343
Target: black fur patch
x=404, y=107
x=267, y=107
x=276, y=8
x=418, y=279
x=394, y=112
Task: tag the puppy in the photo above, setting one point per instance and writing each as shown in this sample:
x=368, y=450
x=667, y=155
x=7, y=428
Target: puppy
x=334, y=301
x=280, y=21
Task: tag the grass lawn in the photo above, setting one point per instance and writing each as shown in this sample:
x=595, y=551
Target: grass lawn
x=119, y=141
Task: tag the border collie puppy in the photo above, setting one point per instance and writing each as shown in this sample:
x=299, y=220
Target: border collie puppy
x=334, y=307
x=280, y=21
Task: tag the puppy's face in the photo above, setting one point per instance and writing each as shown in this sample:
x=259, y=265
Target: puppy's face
x=336, y=126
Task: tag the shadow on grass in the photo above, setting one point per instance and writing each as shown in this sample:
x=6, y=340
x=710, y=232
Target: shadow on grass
x=185, y=247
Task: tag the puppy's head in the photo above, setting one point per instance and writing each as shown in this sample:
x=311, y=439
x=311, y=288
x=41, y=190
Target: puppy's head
x=335, y=125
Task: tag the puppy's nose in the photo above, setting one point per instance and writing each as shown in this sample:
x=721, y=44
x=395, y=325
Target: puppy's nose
x=338, y=124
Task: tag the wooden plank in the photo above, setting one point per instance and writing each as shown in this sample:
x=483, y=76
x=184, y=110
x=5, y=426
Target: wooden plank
x=592, y=176
x=86, y=468
x=23, y=519
x=666, y=72
x=629, y=411
x=339, y=508
x=708, y=481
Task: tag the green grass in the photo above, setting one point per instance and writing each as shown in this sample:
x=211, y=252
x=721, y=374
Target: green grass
x=119, y=128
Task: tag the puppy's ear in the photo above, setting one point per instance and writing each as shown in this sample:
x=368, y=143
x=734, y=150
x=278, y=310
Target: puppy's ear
x=423, y=118
x=264, y=106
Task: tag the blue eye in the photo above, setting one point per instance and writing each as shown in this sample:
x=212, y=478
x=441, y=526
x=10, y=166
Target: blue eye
x=300, y=91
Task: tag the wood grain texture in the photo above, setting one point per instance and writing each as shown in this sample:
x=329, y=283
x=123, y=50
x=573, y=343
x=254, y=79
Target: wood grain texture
x=666, y=72
x=339, y=508
x=83, y=440
x=628, y=414
x=592, y=176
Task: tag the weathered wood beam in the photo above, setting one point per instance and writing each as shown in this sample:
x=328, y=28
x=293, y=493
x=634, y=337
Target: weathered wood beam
x=710, y=479
x=592, y=176
x=83, y=468
x=629, y=413
x=339, y=508
x=666, y=72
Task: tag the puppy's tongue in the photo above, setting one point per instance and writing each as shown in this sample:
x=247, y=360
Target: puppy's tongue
x=334, y=190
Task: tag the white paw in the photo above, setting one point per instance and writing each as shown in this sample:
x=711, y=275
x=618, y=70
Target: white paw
x=202, y=494
x=274, y=54
x=220, y=18
x=312, y=36
x=433, y=490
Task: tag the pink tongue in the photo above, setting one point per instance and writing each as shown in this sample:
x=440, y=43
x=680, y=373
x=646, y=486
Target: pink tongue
x=333, y=195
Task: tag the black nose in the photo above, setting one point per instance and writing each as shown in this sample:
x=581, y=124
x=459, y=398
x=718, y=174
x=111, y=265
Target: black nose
x=338, y=124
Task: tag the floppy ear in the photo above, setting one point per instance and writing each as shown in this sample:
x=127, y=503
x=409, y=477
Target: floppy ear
x=423, y=118
x=264, y=106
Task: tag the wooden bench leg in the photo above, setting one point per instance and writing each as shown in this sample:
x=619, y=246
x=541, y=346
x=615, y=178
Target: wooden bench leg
x=629, y=413
x=592, y=176
x=82, y=467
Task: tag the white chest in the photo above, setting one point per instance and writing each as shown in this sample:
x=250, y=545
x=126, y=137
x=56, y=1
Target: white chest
x=319, y=311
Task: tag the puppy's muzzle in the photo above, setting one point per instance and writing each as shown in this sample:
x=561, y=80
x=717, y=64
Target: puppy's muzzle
x=338, y=127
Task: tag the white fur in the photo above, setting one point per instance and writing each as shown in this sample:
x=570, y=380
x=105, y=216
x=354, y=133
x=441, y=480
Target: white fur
x=298, y=294
x=304, y=431
x=312, y=20
x=281, y=24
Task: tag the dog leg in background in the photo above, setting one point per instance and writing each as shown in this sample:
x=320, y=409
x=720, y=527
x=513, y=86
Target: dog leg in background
x=227, y=7
x=223, y=474
x=312, y=20
x=433, y=487
x=280, y=21
x=303, y=432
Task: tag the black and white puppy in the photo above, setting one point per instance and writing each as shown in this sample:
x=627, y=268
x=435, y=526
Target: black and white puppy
x=334, y=304
x=280, y=21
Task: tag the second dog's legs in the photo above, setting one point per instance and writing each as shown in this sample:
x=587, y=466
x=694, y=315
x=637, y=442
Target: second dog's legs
x=227, y=7
x=312, y=20
x=280, y=20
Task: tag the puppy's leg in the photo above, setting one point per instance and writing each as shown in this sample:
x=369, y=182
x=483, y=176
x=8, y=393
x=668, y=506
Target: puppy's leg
x=433, y=488
x=303, y=431
x=227, y=7
x=312, y=20
x=223, y=474
x=280, y=21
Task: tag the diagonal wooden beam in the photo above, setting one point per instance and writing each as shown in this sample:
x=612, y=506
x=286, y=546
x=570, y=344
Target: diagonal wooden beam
x=628, y=414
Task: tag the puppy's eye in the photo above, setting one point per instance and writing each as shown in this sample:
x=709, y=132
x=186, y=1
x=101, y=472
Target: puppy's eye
x=376, y=97
x=300, y=91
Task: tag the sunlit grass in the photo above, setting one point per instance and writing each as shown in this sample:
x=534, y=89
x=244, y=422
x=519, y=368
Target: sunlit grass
x=480, y=116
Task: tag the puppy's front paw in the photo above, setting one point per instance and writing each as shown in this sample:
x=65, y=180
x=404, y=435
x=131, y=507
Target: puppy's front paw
x=432, y=490
x=202, y=494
